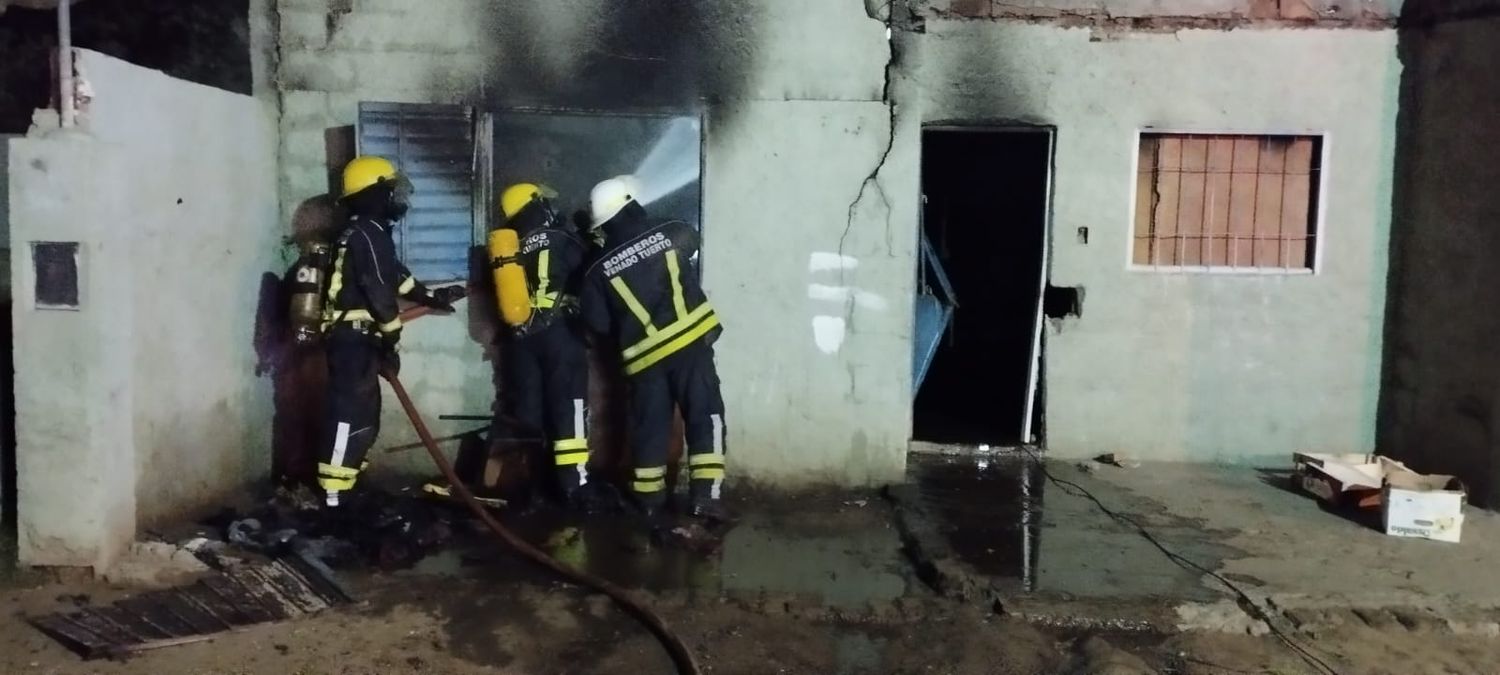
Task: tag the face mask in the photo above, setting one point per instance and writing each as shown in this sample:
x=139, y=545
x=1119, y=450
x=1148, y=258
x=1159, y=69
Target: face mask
x=400, y=198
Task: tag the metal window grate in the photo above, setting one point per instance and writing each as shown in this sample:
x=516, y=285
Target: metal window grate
x=1227, y=201
x=433, y=146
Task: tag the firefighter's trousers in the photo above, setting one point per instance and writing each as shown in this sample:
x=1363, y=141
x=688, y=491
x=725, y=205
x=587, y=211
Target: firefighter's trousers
x=547, y=384
x=689, y=381
x=354, y=358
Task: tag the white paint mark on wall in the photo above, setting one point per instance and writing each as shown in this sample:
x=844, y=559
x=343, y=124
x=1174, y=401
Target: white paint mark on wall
x=821, y=261
x=828, y=333
x=841, y=294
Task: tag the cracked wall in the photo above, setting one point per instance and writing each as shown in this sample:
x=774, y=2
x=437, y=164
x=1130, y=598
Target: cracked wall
x=793, y=100
x=811, y=197
x=1238, y=368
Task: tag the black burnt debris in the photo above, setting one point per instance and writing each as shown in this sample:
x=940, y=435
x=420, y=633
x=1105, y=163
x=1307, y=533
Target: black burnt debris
x=386, y=531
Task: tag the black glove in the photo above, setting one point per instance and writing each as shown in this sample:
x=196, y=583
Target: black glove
x=442, y=298
x=449, y=294
x=390, y=359
x=430, y=300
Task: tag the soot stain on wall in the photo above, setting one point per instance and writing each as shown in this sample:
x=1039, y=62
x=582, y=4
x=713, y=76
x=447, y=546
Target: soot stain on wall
x=620, y=55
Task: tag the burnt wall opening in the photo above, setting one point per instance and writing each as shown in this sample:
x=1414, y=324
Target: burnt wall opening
x=985, y=214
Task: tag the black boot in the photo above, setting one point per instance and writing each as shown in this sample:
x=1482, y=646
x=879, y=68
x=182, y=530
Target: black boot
x=595, y=497
x=710, y=510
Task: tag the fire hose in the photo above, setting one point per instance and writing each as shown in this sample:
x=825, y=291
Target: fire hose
x=681, y=656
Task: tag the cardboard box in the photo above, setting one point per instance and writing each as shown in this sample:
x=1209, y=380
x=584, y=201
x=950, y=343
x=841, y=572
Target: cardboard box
x=1342, y=480
x=1423, y=506
x=1412, y=504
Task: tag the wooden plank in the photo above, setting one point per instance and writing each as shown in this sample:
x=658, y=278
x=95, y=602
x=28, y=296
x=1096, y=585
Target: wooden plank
x=106, y=626
x=1192, y=182
x=1271, y=177
x=291, y=589
x=190, y=612
x=1216, y=200
x=73, y=635
x=1242, y=185
x=1168, y=188
x=193, y=596
x=233, y=606
x=156, y=616
x=257, y=591
x=218, y=603
x=1297, y=217
x=134, y=622
x=1145, y=180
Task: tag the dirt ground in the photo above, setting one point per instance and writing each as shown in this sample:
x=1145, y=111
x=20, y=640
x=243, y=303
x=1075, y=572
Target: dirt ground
x=817, y=587
x=430, y=625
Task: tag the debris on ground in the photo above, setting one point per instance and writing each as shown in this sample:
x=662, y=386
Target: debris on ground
x=155, y=563
x=1117, y=460
x=1096, y=656
x=445, y=492
x=388, y=531
x=1411, y=504
x=241, y=596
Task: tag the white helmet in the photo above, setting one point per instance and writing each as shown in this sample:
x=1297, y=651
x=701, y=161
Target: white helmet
x=610, y=196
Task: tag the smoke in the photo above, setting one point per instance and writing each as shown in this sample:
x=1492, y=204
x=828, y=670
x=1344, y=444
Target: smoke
x=672, y=163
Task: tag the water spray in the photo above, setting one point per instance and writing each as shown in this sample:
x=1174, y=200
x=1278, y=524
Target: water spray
x=672, y=163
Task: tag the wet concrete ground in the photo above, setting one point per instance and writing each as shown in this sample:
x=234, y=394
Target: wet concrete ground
x=975, y=565
x=1036, y=539
x=839, y=551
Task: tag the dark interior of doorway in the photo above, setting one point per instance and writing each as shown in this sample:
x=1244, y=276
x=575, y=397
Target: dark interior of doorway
x=985, y=214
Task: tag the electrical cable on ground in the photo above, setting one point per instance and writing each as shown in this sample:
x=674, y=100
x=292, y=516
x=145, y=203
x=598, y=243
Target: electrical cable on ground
x=681, y=656
x=1243, y=598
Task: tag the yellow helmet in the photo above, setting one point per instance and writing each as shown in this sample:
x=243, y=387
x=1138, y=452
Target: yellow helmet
x=517, y=196
x=365, y=171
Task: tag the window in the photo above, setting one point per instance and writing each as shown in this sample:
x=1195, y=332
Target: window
x=459, y=159
x=433, y=146
x=1233, y=202
x=571, y=151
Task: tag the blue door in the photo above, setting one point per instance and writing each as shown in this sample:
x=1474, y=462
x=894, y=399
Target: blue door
x=934, y=311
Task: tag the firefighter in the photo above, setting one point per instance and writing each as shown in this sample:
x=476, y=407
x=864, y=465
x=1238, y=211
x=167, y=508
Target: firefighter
x=643, y=291
x=544, y=359
x=361, y=319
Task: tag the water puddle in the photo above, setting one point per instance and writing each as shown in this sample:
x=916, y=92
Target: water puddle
x=989, y=510
x=841, y=554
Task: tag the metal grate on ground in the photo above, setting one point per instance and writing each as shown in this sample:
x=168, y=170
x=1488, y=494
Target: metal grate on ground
x=243, y=596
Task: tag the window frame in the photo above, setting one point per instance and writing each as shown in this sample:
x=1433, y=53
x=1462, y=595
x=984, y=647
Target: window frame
x=484, y=209
x=479, y=157
x=1318, y=224
x=487, y=115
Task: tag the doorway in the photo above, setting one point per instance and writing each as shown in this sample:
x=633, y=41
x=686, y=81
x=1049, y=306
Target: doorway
x=984, y=219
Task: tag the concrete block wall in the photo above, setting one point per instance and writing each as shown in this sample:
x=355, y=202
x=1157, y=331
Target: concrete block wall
x=1180, y=366
x=1157, y=13
x=797, y=415
x=797, y=123
x=144, y=404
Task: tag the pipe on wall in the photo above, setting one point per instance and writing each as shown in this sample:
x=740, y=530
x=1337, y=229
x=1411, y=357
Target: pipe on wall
x=65, y=63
